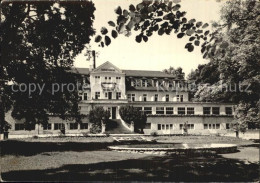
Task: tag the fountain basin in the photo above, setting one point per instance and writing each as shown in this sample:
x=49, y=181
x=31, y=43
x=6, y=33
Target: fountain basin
x=163, y=148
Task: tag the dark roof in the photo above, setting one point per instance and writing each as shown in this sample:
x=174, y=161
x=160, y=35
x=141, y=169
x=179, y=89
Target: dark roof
x=84, y=71
x=143, y=73
x=134, y=73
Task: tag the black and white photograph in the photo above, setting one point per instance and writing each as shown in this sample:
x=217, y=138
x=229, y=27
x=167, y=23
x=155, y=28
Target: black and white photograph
x=130, y=90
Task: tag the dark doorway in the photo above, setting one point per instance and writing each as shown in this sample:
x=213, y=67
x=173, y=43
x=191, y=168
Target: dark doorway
x=113, y=112
x=109, y=95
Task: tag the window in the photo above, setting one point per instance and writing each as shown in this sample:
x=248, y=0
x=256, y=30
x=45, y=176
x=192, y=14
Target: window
x=167, y=98
x=118, y=95
x=190, y=126
x=217, y=126
x=19, y=127
x=133, y=97
x=228, y=110
x=109, y=78
x=47, y=126
x=105, y=78
x=159, y=127
x=171, y=126
x=148, y=110
x=169, y=110
x=190, y=110
x=181, y=110
x=209, y=126
x=177, y=98
x=97, y=78
x=144, y=97
x=147, y=126
x=139, y=108
x=181, y=126
x=181, y=98
x=83, y=126
x=144, y=83
x=159, y=110
x=227, y=126
x=215, y=110
x=163, y=127
x=106, y=95
x=118, y=78
x=156, y=97
x=206, y=110
x=80, y=95
x=97, y=95
x=73, y=126
x=167, y=127
x=129, y=96
x=205, y=126
x=59, y=126
x=85, y=96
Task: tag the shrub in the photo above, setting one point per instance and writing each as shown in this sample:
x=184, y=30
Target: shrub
x=95, y=129
x=35, y=137
x=130, y=113
x=154, y=134
x=85, y=134
x=96, y=116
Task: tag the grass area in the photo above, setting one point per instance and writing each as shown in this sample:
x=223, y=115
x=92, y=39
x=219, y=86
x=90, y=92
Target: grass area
x=81, y=158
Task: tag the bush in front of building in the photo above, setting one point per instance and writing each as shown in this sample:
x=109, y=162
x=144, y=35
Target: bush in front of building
x=97, y=116
x=131, y=114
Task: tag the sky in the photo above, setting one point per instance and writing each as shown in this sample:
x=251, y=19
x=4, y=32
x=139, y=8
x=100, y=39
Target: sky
x=160, y=52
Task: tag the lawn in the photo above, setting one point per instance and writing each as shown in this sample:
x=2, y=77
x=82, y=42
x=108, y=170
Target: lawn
x=87, y=158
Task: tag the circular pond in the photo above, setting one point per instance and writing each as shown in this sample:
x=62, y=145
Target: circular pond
x=162, y=148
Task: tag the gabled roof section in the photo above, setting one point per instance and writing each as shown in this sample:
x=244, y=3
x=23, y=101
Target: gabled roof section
x=143, y=73
x=83, y=71
x=107, y=67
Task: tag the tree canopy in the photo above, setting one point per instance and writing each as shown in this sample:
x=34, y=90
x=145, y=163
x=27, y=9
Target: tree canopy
x=153, y=16
x=131, y=114
x=239, y=66
x=39, y=41
x=97, y=116
x=178, y=73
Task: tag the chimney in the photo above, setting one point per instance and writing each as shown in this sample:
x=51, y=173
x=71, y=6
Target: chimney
x=94, y=58
x=93, y=64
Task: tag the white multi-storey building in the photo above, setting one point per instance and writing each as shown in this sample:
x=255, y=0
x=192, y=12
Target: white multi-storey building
x=164, y=98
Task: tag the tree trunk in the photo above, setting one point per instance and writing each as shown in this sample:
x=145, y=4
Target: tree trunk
x=237, y=134
x=2, y=111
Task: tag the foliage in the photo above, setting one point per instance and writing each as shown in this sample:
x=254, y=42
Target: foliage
x=149, y=17
x=178, y=73
x=6, y=127
x=96, y=117
x=206, y=73
x=95, y=129
x=154, y=134
x=38, y=44
x=239, y=64
x=131, y=114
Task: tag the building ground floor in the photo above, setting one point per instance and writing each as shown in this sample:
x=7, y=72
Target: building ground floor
x=162, y=118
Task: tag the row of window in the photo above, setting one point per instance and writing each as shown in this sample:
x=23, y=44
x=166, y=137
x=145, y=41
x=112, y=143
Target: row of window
x=170, y=126
x=109, y=78
x=212, y=126
x=154, y=83
x=57, y=126
x=108, y=95
x=215, y=110
x=183, y=110
x=132, y=97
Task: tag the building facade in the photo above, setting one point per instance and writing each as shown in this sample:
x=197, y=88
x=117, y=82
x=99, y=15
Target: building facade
x=163, y=97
